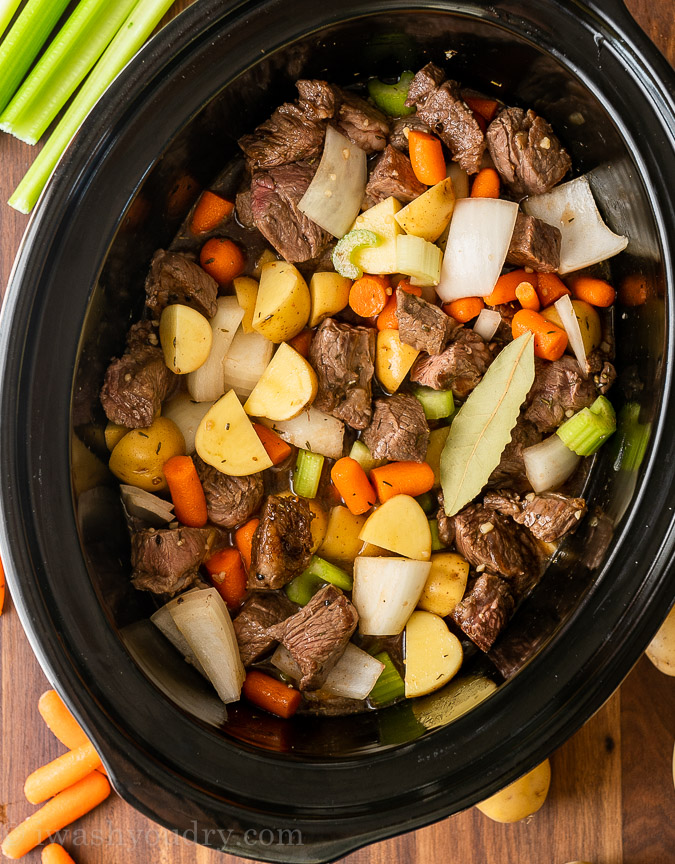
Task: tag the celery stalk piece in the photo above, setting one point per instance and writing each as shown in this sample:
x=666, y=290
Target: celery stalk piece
x=301, y=589
x=418, y=258
x=307, y=474
x=437, y=404
x=70, y=56
x=348, y=246
x=361, y=454
x=137, y=27
x=23, y=42
x=436, y=543
x=7, y=10
x=327, y=572
x=389, y=685
x=390, y=98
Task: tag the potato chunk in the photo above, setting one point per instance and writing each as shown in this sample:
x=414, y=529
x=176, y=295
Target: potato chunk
x=393, y=359
x=185, y=336
x=246, y=290
x=286, y=386
x=445, y=583
x=329, y=293
x=400, y=526
x=138, y=457
x=227, y=440
x=433, y=655
x=379, y=219
x=282, y=306
x=429, y=215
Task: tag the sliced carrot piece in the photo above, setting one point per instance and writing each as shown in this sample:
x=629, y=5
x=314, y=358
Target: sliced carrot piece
x=210, y=211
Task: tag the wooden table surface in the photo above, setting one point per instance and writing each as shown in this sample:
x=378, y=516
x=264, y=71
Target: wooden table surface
x=611, y=800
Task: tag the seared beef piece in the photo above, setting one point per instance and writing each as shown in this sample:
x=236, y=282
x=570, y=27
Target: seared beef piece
x=526, y=152
x=281, y=543
x=362, y=123
x=421, y=324
x=243, y=209
x=491, y=541
x=174, y=278
x=504, y=333
x=460, y=367
x=318, y=634
x=399, y=430
x=446, y=524
x=511, y=469
x=393, y=175
x=535, y=244
x=318, y=100
x=274, y=203
x=135, y=386
x=442, y=108
x=343, y=357
x=288, y=135
x=398, y=137
x=559, y=390
x=261, y=610
x=167, y=560
x=548, y=516
x=229, y=500
x=485, y=610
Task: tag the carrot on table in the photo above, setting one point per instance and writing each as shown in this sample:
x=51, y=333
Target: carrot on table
x=402, y=478
x=275, y=447
x=487, y=108
x=526, y=295
x=222, y=259
x=549, y=341
x=58, y=812
x=464, y=309
x=486, y=184
x=505, y=287
x=597, y=292
x=55, y=854
x=634, y=290
x=57, y=775
x=426, y=157
x=368, y=295
x=550, y=288
x=271, y=695
x=187, y=493
x=352, y=483
x=228, y=576
x=2, y=587
x=60, y=721
x=387, y=319
x=302, y=341
x=210, y=211
x=243, y=539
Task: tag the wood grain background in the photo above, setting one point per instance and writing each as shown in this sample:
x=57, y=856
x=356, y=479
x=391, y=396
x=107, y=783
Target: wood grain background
x=612, y=798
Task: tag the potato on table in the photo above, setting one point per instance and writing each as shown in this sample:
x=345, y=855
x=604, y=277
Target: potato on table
x=520, y=799
x=661, y=650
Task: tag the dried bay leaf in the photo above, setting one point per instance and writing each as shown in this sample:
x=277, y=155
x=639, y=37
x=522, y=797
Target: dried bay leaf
x=482, y=428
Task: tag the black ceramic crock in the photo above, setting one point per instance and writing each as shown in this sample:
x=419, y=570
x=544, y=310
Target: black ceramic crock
x=316, y=790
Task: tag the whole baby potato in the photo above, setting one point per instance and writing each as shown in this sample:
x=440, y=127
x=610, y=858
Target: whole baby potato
x=138, y=458
x=661, y=650
x=520, y=799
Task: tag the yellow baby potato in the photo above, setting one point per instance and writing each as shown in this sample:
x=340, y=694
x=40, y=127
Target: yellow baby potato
x=341, y=543
x=286, y=386
x=661, y=650
x=520, y=799
x=185, y=336
x=138, y=457
x=282, y=306
x=429, y=215
x=113, y=434
x=329, y=293
x=433, y=655
x=381, y=220
x=393, y=359
x=227, y=440
x=399, y=525
x=437, y=439
x=246, y=290
x=446, y=583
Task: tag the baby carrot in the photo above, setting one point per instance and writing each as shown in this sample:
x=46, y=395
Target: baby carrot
x=60, y=721
x=57, y=775
x=302, y=341
x=352, y=483
x=60, y=811
x=243, y=538
x=550, y=288
x=271, y=695
x=187, y=494
x=2, y=587
x=368, y=295
x=387, y=319
x=210, y=211
x=402, y=478
x=527, y=296
x=597, y=292
x=426, y=157
x=222, y=259
x=228, y=576
x=277, y=449
x=505, y=287
x=487, y=108
x=464, y=309
x=55, y=854
x=549, y=341
x=485, y=184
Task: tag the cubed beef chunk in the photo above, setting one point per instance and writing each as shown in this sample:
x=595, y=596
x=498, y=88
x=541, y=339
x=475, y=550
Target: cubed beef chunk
x=485, y=610
x=281, y=543
x=229, y=500
x=287, y=136
x=318, y=634
x=392, y=174
x=526, y=152
x=399, y=430
x=401, y=126
x=275, y=195
x=494, y=543
x=362, y=123
x=261, y=610
x=167, y=560
x=535, y=244
x=243, y=208
x=318, y=100
x=135, y=386
x=343, y=357
x=549, y=516
x=446, y=524
x=175, y=278
x=421, y=324
x=559, y=391
x=511, y=469
x=441, y=107
x=459, y=368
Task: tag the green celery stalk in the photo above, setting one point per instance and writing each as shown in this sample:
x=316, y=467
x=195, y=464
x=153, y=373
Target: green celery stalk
x=301, y=589
x=436, y=543
x=307, y=474
x=428, y=502
x=7, y=10
x=323, y=570
x=389, y=686
x=70, y=56
x=138, y=25
x=23, y=42
x=437, y=404
x=390, y=98
x=361, y=454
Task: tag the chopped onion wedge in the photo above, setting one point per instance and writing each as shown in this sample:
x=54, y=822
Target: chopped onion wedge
x=247, y=359
x=203, y=619
x=187, y=414
x=206, y=383
x=164, y=622
x=487, y=323
x=418, y=258
x=570, y=322
x=386, y=591
x=311, y=430
x=460, y=180
x=479, y=238
x=586, y=239
x=333, y=198
x=353, y=676
x=549, y=463
x=144, y=505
